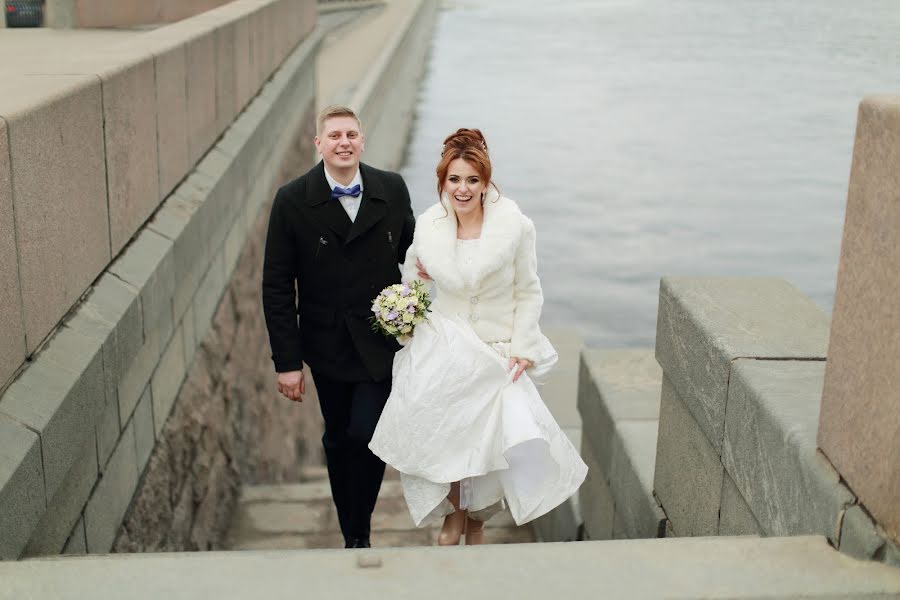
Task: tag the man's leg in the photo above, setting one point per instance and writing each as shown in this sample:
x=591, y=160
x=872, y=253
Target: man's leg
x=335, y=401
x=367, y=470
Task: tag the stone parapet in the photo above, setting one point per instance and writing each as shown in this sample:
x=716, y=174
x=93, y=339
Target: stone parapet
x=859, y=427
x=100, y=129
x=66, y=14
x=619, y=402
x=80, y=422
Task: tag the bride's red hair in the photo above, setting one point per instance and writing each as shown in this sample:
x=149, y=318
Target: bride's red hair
x=469, y=145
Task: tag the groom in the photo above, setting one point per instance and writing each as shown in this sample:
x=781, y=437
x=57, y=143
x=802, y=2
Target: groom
x=336, y=235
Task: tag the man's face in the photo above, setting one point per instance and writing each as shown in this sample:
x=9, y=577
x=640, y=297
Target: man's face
x=340, y=144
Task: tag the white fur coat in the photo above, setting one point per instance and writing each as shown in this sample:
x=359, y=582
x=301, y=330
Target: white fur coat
x=499, y=293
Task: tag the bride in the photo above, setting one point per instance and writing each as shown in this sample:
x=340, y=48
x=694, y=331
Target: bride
x=464, y=424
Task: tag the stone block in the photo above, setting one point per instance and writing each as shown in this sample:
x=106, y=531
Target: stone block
x=167, y=380
x=208, y=296
x=137, y=376
x=234, y=244
x=172, y=116
x=188, y=330
x=859, y=430
x=770, y=448
x=22, y=499
x=108, y=503
x=132, y=165
x=148, y=264
x=595, y=498
x=62, y=246
x=144, y=432
x=735, y=516
x=64, y=510
x=616, y=385
x=12, y=327
x=59, y=396
x=243, y=79
x=688, y=476
x=859, y=538
x=637, y=515
x=226, y=80
x=201, y=94
x=705, y=324
x=77, y=542
x=560, y=392
x=227, y=181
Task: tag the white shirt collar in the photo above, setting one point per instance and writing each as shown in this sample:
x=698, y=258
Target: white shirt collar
x=332, y=182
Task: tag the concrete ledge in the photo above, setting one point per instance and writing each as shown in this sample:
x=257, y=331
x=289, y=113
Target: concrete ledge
x=12, y=328
x=22, y=497
x=705, y=324
x=770, y=448
x=672, y=568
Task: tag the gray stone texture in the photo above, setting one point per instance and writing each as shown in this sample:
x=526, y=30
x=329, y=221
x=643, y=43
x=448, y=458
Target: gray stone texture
x=166, y=380
x=770, y=448
x=735, y=516
x=595, y=498
x=858, y=536
x=144, y=432
x=22, y=499
x=59, y=396
x=136, y=377
x=201, y=94
x=859, y=429
x=704, y=324
x=637, y=514
x=64, y=510
x=110, y=499
x=226, y=74
x=62, y=246
x=616, y=385
x=172, y=118
x=688, y=475
x=208, y=295
x=12, y=327
x=132, y=166
x=77, y=542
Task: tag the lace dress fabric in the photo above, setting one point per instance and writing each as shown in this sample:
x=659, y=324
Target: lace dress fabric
x=454, y=414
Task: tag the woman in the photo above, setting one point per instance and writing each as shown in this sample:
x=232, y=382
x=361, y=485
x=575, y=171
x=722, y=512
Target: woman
x=464, y=424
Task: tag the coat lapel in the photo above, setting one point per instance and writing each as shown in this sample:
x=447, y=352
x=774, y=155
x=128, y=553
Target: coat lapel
x=372, y=208
x=331, y=214
x=435, y=242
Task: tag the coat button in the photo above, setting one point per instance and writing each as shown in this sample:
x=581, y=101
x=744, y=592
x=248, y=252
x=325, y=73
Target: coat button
x=474, y=300
x=473, y=318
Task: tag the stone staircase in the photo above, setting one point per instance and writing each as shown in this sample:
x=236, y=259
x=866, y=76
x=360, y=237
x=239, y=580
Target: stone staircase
x=302, y=516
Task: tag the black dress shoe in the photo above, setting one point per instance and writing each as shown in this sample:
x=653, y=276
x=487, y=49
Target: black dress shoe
x=361, y=543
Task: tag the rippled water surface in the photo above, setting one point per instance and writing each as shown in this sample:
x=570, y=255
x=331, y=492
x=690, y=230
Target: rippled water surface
x=651, y=138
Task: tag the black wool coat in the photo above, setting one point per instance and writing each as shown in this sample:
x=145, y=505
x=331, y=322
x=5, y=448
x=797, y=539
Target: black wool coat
x=338, y=267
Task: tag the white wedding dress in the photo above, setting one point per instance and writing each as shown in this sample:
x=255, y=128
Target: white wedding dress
x=454, y=414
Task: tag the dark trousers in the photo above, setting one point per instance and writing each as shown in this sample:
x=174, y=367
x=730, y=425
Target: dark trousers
x=351, y=411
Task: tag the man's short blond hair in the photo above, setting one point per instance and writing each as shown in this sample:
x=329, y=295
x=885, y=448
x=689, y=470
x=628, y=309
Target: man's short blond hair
x=329, y=112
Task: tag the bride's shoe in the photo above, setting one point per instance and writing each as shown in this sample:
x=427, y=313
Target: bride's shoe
x=452, y=531
x=474, y=531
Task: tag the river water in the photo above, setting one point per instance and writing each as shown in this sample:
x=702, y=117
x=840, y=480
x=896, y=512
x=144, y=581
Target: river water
x=649, y=138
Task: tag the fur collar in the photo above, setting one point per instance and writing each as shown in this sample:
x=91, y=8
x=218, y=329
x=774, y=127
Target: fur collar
x=435, y=241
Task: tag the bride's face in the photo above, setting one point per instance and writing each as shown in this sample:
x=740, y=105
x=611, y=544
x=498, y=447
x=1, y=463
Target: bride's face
x=464, y=186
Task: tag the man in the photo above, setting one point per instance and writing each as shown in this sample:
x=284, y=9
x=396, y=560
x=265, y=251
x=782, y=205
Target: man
x=337, y=233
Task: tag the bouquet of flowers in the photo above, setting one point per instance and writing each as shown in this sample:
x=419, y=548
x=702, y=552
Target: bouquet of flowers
x=399, y=308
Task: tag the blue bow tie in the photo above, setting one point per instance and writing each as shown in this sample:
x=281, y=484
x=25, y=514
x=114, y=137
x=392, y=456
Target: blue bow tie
x=338, y=191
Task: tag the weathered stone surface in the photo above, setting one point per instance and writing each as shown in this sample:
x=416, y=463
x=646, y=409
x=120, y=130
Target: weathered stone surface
x=595, y=498
x=59, y=396
x=12, y=327
x=226, y=74
x=770, y=448
x=22, y=499
x=704, y=324
x=172, y=118
x=637, y=513
x=858, y=536
x=144, y=432
x=166, y=380
x=616, y=385
x=62, y=246
x=201, y=94
x=208, y=295
x=64, y=510
x=688, y=476
x=735, y=516
x=132, y=166
x=77, y=542
x=109, y=501
x=859, y=430
x=135, y=378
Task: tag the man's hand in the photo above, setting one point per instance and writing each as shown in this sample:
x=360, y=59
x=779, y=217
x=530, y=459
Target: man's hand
x=423, y=274
x=520, y=365
x=292, y=385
